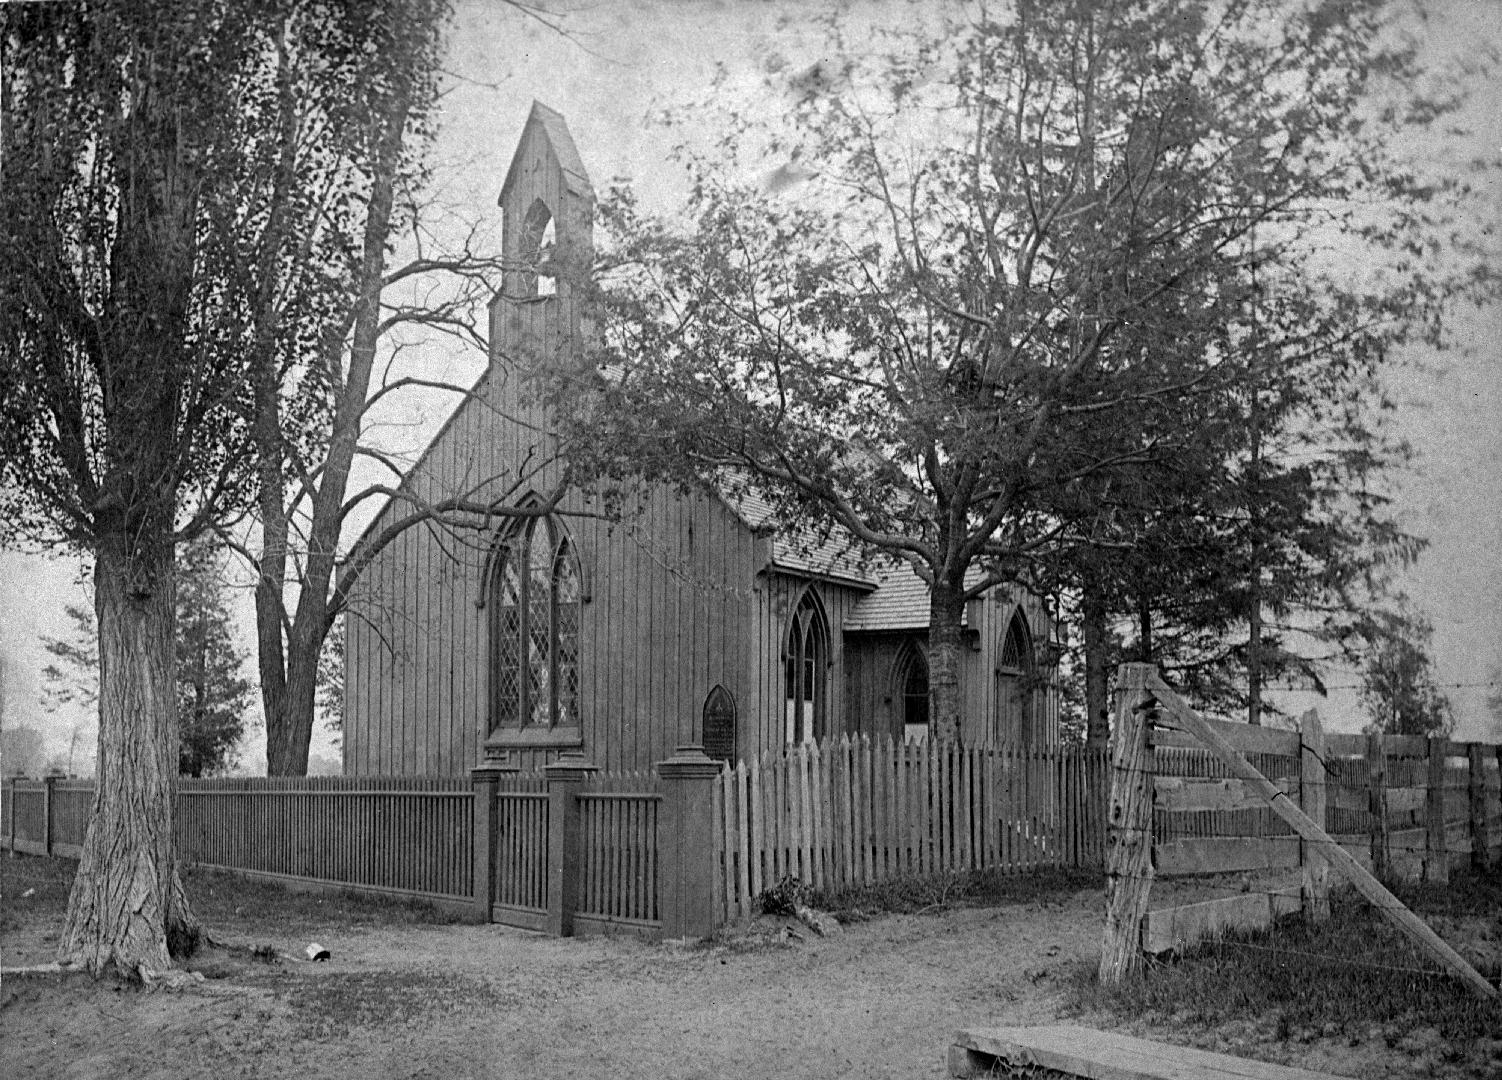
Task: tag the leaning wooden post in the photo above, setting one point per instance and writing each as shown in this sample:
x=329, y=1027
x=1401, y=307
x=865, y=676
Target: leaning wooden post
x=1376, y=764
x=1312, y=788
x=1129, y=820
x=685, y=833
x=1436, y=853
x=1481, y=837
x=486, y=780
x=565, y=779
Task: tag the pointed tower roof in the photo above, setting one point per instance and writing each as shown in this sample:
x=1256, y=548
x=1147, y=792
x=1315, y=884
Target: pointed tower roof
x=556, y=133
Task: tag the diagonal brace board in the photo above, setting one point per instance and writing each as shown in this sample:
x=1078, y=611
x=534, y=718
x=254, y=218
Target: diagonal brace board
x=1186, y=719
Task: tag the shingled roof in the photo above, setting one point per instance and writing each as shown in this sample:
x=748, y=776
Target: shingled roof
x=899, y=602
x=806, y=550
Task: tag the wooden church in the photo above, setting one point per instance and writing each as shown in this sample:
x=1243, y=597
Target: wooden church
x=686, y=621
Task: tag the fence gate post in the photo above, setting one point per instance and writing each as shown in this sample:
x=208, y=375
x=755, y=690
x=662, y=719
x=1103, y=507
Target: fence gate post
x=1436, y=854
x=49, y=787
x=486, y=779
x=1481, y=837
x=565, y=778
x=1312, y=788
x=1129, y=847
x=1376, y=764
x=686, y=842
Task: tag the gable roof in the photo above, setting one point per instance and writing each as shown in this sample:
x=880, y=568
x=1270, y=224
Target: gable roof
x=562, y=143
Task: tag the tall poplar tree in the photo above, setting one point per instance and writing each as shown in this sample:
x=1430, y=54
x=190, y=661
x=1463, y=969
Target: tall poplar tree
x=144, y=228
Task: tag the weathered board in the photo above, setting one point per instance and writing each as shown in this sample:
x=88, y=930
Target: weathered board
x=1104, y=1055
x=1226, y=855
x=1169, y=929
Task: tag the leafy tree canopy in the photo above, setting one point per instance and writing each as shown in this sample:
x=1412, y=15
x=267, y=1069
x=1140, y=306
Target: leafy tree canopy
x=1011, y=259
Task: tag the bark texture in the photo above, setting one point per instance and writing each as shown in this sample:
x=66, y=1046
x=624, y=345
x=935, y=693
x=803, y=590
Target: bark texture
x=946, y=644
x=128, y=911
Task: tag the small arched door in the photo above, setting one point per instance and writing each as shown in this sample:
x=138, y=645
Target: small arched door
x=805, y=673
x=1014, y=683
x=910, y=693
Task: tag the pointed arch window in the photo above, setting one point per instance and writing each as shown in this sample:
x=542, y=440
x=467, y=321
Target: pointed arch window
x=719, y=725
x=534, y=629
x=1014, y=683
x=911, y=693
x=805, y=673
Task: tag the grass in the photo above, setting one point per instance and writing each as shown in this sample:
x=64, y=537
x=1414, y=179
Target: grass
x=34, y=886
x=978, y=888
x=1346, y=978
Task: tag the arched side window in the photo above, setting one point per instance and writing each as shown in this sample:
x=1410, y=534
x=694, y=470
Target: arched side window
x=719, y=725
x=910, y=692
x=534, y=628
x=1014, y=683
x=805, y=672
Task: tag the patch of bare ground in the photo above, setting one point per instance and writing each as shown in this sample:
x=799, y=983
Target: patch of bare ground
x=403, y=996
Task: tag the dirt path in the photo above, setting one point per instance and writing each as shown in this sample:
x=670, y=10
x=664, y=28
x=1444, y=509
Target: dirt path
x=879, y=1000
x=403, y=997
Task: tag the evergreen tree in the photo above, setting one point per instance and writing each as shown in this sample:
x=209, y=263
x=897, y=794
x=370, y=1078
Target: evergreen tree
x=213, y=696
x=1398, y=686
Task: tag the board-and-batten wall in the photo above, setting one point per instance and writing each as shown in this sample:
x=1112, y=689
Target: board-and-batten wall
x=669, y=592
x=871, y=659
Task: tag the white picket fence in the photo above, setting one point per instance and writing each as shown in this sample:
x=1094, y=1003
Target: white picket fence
x=857, y=812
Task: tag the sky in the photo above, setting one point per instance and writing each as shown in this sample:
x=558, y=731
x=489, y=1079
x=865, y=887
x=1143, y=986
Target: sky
x=625, y=61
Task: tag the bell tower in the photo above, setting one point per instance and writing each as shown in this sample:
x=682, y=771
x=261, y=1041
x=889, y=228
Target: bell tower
x=547, y=226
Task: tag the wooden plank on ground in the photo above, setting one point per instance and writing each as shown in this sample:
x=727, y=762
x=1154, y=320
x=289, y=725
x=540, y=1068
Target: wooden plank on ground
x=1105, y=1055
x=1179, y=927
x=1225, y=855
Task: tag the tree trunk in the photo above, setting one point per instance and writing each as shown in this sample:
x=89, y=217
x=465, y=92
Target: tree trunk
x=1144, y=631
x=1097, y=700
x=289, y=711
x=946, y=645
x=287, y=741
x=128, y=911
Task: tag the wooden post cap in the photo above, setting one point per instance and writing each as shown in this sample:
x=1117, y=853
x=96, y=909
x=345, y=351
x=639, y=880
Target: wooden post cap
x=493, y=768
x=689, y=762
x=571, y=765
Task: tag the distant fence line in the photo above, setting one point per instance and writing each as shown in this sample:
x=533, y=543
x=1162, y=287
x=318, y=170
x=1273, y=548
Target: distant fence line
x=693, y=844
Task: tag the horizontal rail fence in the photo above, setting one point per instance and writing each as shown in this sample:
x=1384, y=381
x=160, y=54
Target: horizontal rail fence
x=1409, y=808
x=855, y=812
x=1403, y=807
x=619, y=858
x=1203, y=822
x=398, y=835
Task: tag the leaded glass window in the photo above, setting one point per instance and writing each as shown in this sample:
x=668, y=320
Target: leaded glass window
x=534, y=626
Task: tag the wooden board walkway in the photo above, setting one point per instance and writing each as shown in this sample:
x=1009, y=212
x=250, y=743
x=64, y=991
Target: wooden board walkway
x=1105, y=1055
